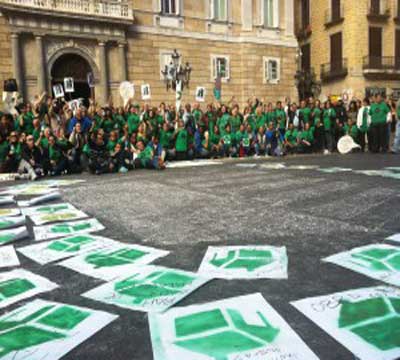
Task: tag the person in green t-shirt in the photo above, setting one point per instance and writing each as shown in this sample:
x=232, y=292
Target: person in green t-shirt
x=329, y=119
x=58, y=162
x=280, y=118
x=270, y=116
x=224, y=119
x=304, y=113
x=379, y=129
x=363, y=123
x=229, y=142
x=291, y=139
x=133, y=120
x=144, y=156
x=4, y=149
x=25, y=121
x=235, y=120
x=216, y=144
x=242, y=141
x=181, y=137
x=306, y=139
x=318, y=126
x=166, y=134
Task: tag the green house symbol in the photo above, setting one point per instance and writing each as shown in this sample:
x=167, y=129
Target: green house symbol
x=52, y=209
x=14, y=287
x=219, y=334
x=378, y=259
x=67, y=229
x=44, y=325
x=250, y=260
x=156, y=285
x=72, y=244
x=375, y=320
x=115, y=258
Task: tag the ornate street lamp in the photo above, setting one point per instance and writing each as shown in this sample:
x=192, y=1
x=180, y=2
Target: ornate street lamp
x=174, y=73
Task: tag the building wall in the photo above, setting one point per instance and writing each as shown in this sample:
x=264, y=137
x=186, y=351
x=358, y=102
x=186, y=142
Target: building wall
x=6, y=70
x=354, y=30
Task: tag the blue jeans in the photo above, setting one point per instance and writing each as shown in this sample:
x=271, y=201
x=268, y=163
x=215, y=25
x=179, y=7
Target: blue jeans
x=396, y=144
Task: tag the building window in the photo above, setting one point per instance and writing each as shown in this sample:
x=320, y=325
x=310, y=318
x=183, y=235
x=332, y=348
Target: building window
x=220, y=67
x=270, y=13
x=220, y=10
x=170, y=7
x=272, y=70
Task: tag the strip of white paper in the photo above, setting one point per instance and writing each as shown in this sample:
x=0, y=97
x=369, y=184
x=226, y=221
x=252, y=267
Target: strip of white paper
x=395, y=238
x=47, y=232
x=53, y=195
x=20, y=284
x=11, y=221
x=273, y=166
x=194, y=163
x=378, y=261
x=113, y=259
x=148, y=288
x=334, y=170
x=62, y=182
x=10, y=235
x=240, y=328
x=362, y=320
x=60, y=249
x=68, y=215
x=8, y=256
x=49, y=334
x=245, y=262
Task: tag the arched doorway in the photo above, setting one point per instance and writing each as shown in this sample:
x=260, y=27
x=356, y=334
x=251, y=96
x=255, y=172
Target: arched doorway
x=75, y=66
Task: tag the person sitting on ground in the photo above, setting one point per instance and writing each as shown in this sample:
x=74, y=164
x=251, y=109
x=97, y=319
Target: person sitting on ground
x=306, y=139
x=291, y=140
x=98, y=155
x=31, y=159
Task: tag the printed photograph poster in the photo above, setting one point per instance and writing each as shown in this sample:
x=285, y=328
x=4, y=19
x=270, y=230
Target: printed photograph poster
x=10, y=235
x=69, y=85
x=377, y=261
x=44, y=330
x=50, y=251
x=48, y=232
x=239, y=328
x=145, y=92
x=245, y=262
x=148, y=288
x=11, y=221
x=20, y=284
x=112, y=260
x=8, y=256
x=366, y=321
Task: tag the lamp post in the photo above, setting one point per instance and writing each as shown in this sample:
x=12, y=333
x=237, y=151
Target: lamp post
x=176, y=75
x=306, y=79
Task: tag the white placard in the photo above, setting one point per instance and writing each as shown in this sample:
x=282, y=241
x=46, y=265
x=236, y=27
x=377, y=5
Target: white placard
x=145, y=91
x=48, y=209
x=53, y=195
x=58, y=91
x=362, y=320
x=112, y=260
x=49, y=336
x=10, y=235
x=8, y=256
x=19, y=284
x=201, y=94
x=8, y=222
x=67, y=215
x=127, y=91
x=147, y=288
x=378, y=261
x=395, y=238
x=245, y=262
x=69, y=85
x=50, y=251
x=47, y=232
x=239, y=328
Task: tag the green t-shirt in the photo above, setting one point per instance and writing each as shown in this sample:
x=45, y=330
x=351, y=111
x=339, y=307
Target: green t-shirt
x=165, y=138
x=181, y=143
x=307, y=135
x=260, y=121
x=235, y=122
x=270, y=117
x=215, y=138
x=305, y=114
x=27, y=128
x=317, y=116
x=229, y=139
x=251, y=120
x=281, y=117
x=222, y=122
x=3, y=150
x=54, y=154
x=108, y=125
x=378, y=112
x=133, y=123
x=291, y=136
x=364, y=126
x=328, y=116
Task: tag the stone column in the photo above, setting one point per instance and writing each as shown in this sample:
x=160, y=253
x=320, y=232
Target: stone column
x=103, y=73
x=41, y=70
x=122, y=59
x=289, y=16
x=17, y=62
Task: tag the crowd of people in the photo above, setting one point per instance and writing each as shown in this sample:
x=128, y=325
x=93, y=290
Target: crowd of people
x=46, y=137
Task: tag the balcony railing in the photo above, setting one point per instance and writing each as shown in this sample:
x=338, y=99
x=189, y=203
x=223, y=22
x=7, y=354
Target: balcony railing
x=334, y=16
x=378, y=11
x=332, y=71
x=382, y=67
x=102, y=8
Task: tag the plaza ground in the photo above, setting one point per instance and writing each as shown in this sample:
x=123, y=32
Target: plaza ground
x=185, y=210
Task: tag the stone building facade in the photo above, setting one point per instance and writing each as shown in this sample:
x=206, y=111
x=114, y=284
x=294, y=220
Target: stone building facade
x=251, y=43
x=353, y=46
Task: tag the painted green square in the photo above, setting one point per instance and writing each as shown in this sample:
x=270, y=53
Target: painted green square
x=6, y=238
x=52, y=209
x=377, y=253
x=173, y=280
x=65, y=318
x=120, y=257
x=199, y=322
x=71, y=245
x=15, y=287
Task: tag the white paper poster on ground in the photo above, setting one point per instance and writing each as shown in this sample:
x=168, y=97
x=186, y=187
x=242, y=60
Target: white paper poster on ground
x=60, y=249
x=240, y=328
x=378, y=261
x=148, y=288
x=273, y=166
x=9, y=212
x=245, y=262
x=146, y=92
x=366, y=321
x=8, y=256
x=113, y=260
x=11, y=221
x=44, y=330
x=20, y=284
x=10, y=235
x=6, y=200
x=48, y=209
x=53, y=195
x=395, y=238
x=303, y=167
x=28, y=189
x=195, y=163
x=66, y=215
x=62, y=182
x=48, y=232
